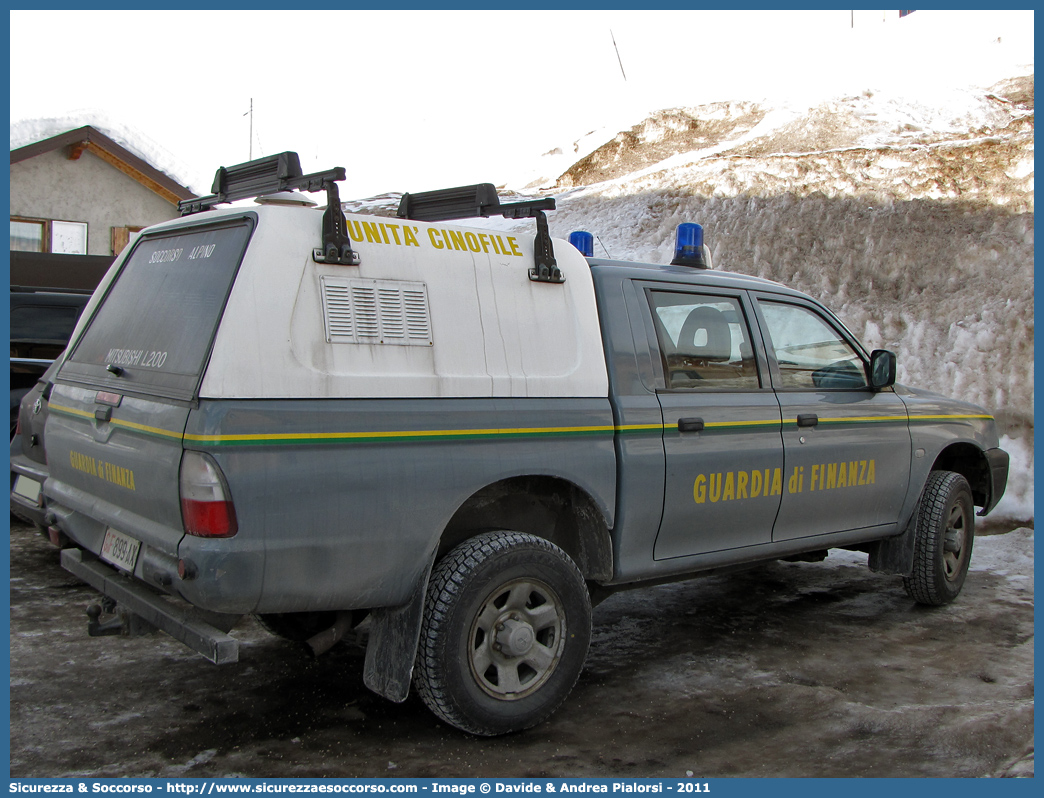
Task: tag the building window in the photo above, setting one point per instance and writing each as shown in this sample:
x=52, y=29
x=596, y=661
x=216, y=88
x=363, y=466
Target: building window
x=28, y=235
x=121, y=237
x=69, y=238
x=45, y=235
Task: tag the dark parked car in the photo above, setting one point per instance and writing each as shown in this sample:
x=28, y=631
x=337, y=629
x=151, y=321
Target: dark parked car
x=42, y=319
x=28, y=460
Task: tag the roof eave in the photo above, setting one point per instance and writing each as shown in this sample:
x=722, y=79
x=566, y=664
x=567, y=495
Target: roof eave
x=117, y=156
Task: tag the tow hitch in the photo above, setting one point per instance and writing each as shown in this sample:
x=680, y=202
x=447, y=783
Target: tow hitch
x=122, y=622
x=205, y=632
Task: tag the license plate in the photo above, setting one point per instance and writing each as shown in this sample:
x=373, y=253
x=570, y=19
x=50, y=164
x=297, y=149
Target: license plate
x=28, y=489
x=120, y=550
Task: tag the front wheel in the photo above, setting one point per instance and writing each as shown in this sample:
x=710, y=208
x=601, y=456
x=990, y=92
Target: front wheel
x=506, y=628
x=943, y=536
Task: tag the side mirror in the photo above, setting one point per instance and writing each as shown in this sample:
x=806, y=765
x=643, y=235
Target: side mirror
x=882, y=369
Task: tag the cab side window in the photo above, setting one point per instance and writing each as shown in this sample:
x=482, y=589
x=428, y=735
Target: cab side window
x=704, y=342
x=811, y=354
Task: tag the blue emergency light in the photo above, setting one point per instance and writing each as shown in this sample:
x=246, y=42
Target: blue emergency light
x=688, y=251
x=583, y=241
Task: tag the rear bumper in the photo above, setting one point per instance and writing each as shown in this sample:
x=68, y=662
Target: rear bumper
x=24, y=504
x=998, y=460
x=227, y=572
x=198, y=630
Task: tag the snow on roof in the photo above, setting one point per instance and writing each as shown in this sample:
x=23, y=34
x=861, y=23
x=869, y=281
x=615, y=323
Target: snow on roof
x=31, y=131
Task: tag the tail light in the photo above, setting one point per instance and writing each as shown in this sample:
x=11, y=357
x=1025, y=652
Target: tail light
x=206, y=505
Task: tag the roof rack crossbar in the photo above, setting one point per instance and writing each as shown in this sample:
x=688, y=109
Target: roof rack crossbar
x=267, y=175
x=468, y=202
x=282, y=172
x=463, y=202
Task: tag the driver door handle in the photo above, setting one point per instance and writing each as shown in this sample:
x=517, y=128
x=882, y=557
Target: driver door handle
x=690, y=425
x=807, y=419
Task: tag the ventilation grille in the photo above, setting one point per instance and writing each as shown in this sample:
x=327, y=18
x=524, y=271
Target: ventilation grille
x=375, y=312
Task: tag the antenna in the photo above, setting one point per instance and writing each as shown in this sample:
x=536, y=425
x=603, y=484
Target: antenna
x=251, y=113
x=618, y=59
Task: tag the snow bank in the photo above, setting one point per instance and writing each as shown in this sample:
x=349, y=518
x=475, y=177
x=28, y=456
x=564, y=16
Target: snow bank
x=1017, y=502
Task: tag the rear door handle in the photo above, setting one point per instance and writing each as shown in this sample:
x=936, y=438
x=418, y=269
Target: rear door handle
x=690, y=425
x=807, y=420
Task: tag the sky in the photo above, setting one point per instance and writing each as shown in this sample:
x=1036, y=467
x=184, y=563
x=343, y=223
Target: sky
x=412, y=100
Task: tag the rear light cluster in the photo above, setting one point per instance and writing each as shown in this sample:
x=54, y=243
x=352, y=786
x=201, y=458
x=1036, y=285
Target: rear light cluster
x=206, y=505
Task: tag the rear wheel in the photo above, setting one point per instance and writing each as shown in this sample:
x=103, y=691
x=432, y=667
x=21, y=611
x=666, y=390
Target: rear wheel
x=506, y=629
x=943, y=538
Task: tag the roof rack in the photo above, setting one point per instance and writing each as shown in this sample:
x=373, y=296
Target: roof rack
x=468, y=202
x=282, y=172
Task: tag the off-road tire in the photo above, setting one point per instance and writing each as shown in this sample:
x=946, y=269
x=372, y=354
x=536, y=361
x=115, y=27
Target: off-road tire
x=497, y=580
x=944, y=533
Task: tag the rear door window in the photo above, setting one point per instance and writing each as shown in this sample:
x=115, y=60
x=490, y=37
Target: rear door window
x=153, y=331
x=704, y=341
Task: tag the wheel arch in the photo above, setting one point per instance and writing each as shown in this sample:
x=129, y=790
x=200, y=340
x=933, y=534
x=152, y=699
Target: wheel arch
x=548, y=507
x=971, y=462
x=545, y=506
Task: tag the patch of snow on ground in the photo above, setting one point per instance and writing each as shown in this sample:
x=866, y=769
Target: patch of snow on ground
x=1009, y=555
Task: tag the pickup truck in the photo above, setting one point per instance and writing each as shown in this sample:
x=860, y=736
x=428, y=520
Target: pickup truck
x=462, y=438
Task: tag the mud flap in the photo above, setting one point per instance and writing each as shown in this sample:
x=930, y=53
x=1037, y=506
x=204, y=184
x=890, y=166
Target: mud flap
x=392, y=647
x=895, y=555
